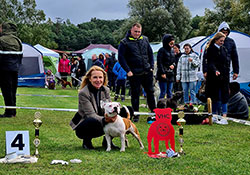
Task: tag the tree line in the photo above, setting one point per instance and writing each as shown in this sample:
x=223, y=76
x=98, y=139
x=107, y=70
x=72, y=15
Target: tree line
x=157, y=17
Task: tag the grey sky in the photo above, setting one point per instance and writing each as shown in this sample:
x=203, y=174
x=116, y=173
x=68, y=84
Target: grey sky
x=79, y=11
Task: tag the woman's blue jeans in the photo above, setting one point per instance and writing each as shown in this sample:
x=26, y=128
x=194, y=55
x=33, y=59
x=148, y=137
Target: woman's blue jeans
x=166, y=88
x=189, y=87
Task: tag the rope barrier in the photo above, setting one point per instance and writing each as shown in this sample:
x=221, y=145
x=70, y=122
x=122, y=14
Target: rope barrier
x=245, y=122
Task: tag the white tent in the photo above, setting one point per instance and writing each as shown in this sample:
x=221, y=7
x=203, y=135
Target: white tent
x=191, y=41
x=46, y=52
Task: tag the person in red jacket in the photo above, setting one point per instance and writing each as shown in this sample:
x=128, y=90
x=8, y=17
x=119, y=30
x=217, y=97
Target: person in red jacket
x=64, y=67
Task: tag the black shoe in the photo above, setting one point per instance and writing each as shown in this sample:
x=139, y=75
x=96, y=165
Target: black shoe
x=136, y=118
x=7, y=115
x=104, y=144
x=123, y=98
x=116, y=97
x=87, y=144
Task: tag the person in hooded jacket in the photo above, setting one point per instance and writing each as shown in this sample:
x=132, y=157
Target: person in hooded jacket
x=10, y=60
x=230, y=45
x=165, y=66
x=136, y=57
x=237, y=106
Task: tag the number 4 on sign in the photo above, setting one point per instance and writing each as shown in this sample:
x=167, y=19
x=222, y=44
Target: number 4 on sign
x=17, y=141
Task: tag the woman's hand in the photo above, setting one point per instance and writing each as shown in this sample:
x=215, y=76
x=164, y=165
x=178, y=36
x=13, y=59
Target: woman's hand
x=163, y=76
x=217, y=73
x=171, y=67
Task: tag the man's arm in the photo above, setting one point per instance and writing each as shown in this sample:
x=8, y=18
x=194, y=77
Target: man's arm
x=235, y=60
x=151, y=57
x=121, y=57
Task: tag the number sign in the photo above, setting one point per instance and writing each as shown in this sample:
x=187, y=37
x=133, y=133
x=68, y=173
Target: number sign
x=17, y=141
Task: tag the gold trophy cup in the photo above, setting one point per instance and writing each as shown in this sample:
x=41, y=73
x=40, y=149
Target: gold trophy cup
x=37, y=123
x=181, y=121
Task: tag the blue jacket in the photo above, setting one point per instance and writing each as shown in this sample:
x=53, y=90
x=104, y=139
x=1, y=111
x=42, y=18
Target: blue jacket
x=119, y=72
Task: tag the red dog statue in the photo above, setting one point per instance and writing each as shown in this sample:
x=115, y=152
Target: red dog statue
x=161, y=130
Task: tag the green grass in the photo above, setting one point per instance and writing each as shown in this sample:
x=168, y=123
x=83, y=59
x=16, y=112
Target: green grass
x=209, y=150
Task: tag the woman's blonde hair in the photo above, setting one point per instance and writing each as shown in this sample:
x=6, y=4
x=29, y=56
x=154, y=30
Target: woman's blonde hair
x=85, y=79
x=217, y=36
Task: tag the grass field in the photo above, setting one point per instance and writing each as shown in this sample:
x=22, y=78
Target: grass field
x=209, y=150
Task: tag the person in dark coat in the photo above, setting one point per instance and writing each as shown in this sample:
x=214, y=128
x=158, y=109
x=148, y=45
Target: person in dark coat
x=165, y=66
x=136, y=58
x=237, y=106
x=96, y=61
x=110, y=62
x=10, y=60
x=81, y=68
x=218, y=67
x=177, y=85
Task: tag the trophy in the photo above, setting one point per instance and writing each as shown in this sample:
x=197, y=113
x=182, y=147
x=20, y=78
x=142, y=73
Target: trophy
x=181, y=121
x=209, y=108
x=37, y=123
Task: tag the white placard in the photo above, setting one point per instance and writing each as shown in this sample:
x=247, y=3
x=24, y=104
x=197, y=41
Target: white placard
x=18, y=141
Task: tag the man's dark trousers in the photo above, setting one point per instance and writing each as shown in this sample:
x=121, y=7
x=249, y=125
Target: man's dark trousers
x=146, y=80
x=8, y=83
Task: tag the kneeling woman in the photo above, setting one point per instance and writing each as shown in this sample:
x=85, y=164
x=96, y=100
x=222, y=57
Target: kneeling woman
x=89, y=120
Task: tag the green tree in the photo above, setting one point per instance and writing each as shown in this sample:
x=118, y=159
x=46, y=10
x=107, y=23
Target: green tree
x=234, y=12
x=159, y=17
x=30, y=22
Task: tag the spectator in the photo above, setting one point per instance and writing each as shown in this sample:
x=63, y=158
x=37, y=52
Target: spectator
x=74, y=68
x=50, y=80
x=10, y=59
x=187, y=73
x=64, y=67
x=165, y=66
x=217, y=78
x=136, y=58
x=177, y=85
x=120, y=81
x=110, y=62
x=81, y=68
x=102, y=59
x=96, y=61
x=88, y=122
x=237, y=104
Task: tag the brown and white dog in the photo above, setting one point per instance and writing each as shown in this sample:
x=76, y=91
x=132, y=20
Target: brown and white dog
x=120, y=127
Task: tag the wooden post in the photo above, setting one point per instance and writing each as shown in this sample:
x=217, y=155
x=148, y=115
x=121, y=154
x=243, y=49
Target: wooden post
x=209, y=109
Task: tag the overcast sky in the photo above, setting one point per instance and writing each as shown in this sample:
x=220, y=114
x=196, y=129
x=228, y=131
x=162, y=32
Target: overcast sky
x=79, y=11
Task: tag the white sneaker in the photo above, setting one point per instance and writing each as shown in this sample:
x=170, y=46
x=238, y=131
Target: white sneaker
x=222, y=121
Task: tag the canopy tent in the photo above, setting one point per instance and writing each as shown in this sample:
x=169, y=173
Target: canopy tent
x=93, y=46
x=31, y=71
x=46, y=52
x=242, y=42
x=88, y=55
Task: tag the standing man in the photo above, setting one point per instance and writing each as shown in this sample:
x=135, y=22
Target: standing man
x=10, y=59
x=230, y=45
x=136, y=58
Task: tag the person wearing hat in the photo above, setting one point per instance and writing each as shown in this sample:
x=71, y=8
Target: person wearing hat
x=10, y=60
